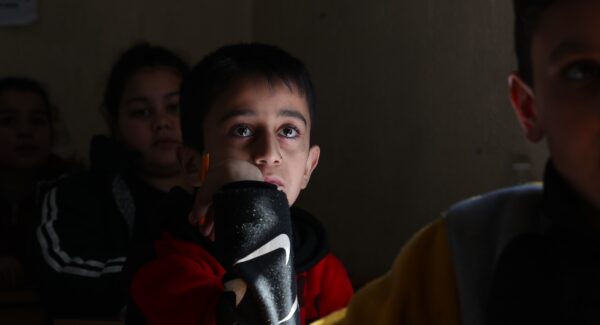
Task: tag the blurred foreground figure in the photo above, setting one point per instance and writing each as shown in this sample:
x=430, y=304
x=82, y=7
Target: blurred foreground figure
x=526, y=254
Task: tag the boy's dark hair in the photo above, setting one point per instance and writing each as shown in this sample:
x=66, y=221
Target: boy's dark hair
x=140, y=56
x=527, y=17
x=214, y=74
x=30, y=85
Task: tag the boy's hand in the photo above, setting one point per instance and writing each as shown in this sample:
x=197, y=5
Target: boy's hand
x=228, y=171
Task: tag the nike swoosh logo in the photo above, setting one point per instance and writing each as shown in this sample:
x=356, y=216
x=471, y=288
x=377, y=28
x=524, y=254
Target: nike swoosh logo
x=280, y=242
x=292, y=312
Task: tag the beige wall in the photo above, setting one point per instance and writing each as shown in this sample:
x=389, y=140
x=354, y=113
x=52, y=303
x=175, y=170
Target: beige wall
x=413, y=116
x=74, y=43
x=413, y=104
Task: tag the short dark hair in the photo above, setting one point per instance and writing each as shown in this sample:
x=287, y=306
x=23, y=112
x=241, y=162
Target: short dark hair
x=30, y=85
x=219, y=70
x=527, y=17
x=138, y=57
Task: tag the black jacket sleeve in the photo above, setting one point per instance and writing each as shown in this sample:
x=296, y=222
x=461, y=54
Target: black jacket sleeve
x=254, y=244
x=82, y=240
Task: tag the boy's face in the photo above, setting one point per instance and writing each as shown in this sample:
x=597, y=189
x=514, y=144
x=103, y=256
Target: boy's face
x=268, y=126
x=564, y=103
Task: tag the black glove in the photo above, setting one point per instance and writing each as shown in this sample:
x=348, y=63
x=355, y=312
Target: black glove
x=254, y=243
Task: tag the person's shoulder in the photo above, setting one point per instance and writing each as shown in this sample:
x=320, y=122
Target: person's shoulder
x=498, y=201
x=78, y=184
x=57, y=167
x=478, y=230
x=80, y=193
x=430, y=241
x=494, y=218
x=418, y=289
x=330, y=265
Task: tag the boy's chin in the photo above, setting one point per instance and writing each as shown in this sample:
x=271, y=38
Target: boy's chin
x=291, y=197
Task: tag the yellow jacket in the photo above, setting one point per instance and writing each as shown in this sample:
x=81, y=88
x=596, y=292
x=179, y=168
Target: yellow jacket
x=443, y=274
x=419, y=289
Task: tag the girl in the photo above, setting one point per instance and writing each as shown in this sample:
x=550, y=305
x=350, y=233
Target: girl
x=26, y=139
x=91, y=221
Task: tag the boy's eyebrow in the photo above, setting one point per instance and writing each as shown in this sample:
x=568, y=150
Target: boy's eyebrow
x=248, y=112
x=236, y=112
x=293, y=113
x=568, y=48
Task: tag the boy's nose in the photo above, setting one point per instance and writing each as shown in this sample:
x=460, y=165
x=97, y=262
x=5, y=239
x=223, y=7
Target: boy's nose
x=267, y=151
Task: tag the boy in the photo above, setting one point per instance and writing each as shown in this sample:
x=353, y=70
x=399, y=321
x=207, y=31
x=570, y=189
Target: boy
x=251, y=108
x=524, y=255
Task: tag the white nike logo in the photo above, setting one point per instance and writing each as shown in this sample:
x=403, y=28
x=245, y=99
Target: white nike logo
x=292, y=311
x=239, y=287
x=282, y=241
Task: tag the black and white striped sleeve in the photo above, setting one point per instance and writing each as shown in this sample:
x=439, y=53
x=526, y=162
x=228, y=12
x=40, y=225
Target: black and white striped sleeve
x=83, y=245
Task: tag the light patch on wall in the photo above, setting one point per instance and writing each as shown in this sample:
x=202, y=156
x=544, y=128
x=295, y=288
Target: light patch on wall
x=17, y=12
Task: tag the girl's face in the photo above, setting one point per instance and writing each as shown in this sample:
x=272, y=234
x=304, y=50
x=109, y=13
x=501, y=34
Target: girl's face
x=25, y=129
x=148, y=119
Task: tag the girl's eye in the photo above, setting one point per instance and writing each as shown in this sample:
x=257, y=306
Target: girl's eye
x=7, y=121
x=289, y=132
x=39, y=121
x=140, y=112
x=173, y=108
x=581, y=71
x=242, y=131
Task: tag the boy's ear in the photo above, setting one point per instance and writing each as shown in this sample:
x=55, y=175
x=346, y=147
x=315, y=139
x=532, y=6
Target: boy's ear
x=523, y=102
x=189, y=163
x=311, y=163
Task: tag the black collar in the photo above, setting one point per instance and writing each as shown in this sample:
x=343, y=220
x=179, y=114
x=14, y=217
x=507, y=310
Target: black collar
x=563, y=211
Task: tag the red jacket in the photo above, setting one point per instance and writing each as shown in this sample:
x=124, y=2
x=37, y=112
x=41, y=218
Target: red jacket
x=184, y=284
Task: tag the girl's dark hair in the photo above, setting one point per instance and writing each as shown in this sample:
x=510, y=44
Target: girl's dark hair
x=527, y=17
x=140, y=56
x=30, y=85
x=216, y=73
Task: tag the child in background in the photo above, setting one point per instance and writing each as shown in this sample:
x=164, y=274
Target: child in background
x=91, y=220
x=528, y=254
x=27, y=135
x=251, y=107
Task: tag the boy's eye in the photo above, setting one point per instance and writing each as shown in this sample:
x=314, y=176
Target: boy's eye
x=289, y=132
x=242, y=131
x=582, y=71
